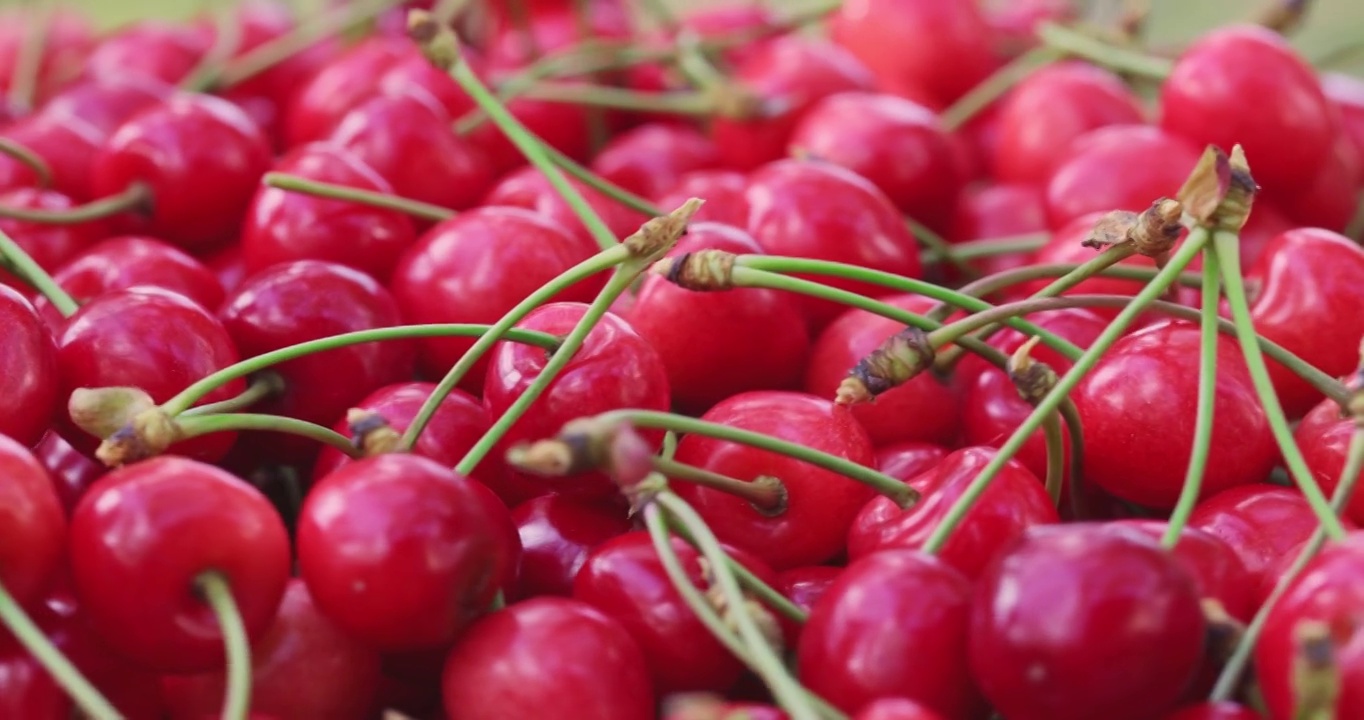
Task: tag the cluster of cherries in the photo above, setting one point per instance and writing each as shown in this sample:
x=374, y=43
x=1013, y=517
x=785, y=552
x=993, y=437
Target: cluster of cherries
x=381, y=361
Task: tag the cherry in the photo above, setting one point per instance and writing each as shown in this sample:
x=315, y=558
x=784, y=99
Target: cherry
x=71, y=471
x=895, y=143
x=1324, y=436
x=804, y=586
x=651, y=159
x=908, y=461
x=138, y=587
x=1328, y=201
x=162, y=51
x=401, y=552
x=1118, y=167
x=715, y=345
x=1264, y=224
x=1261, y=523
x=29, y=382
x=549, y=26
x=723, y=191
x=123, y=262
x=68, y=145
x=896, y=709
x=228, y=266
x=1065, y=247
x=557, y=534
x=1346, y=94
x=1038, y=609
x=1214, y=711
x=820, y=503
x=822, y=211
x=27, y=691
x=788, y=75
x=1015, y=23
x=304, y=667
x=340, y=86
x=547, y=653
x=924, y=409
x=32, y=525
x=1214, y=565
x=527, y=188
x=199, y=157
x=1014, y=502
x=414, y=71
x=281, y=225
x=995, y=210
x=1203, y=100
x=68, y=38
x=563, y=126
x=49, y=245
x=106, y=103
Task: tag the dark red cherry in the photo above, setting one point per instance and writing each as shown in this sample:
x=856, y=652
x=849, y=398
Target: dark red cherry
x=127, y=261
x=1214, y=711
x=1324, y=437
x=1116, y=168
x=228, y=266
x=27, y=691
x=1261, y=522
x=896, y=708
x=32, y=524
x=1039, y=608
x=1213, y=564
x=527, y=188
x=106, y=103
x=67, y=145
x=820, y=504
x=162, y=51
x=557, y=534
x=50, y=246
x=547, y=653
x=822, y=211
x=723, y=191
x=303, y=667
x=141, y=537
x=340, y=86
x=71, y=471
x=924, y=409
x=908, y=461
x=651, y=159
x=804, y=586
x=30, y=386
x=402, y=553
x=1203, y=100
x=892, y=625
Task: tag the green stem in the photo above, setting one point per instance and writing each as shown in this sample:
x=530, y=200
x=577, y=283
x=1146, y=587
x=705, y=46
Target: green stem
x=137, y=195
x=992, y=284
x=698, y=104
x=942, y=250
x=1056, y=457
x=992, y=247
x=765, y=493
x=604, y=186
x=984, y=94
x=23, y=266
x=332, y=191
x=86, y=696
x=1071, y=415
x=985, y=319
x=769, y=595
x=197, y=425
x=23, y=87
x=226, y=41
x=308, y=33
x=261, y=387
x=29, y=159
x=1115, y=58
x=218, y=594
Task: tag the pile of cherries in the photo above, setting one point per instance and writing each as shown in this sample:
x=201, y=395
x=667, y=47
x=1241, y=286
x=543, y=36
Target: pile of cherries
x=893, y=360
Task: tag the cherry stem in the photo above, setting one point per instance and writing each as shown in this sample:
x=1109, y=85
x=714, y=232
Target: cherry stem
x=1075, y=428
x=196, y=425
x=134, y=197
x=23, y=88
x=226, y=42
x=991, y=247
x=359, y=196
x=1355, y=228
x=659, y=12
x=699, y=104
x=769, y=595
x=1056, y=457
x=941, y=249
x=985, y=93
x=992, y=284
x=953, y=332
x=22, y=265
x=604, y=186
x=1049, y=404
x=215, y=590
x=87, y=697
x=765, y=493
x=31, y=160
x=264, y=385
x=308, y=33
x=1077, y=44
x=1227, y=247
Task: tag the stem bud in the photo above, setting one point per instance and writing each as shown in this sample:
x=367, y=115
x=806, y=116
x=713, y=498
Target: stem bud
x=1152, y=232
x=1316, y=676
x=1220, y=191
x=899, y=359
x=701, y=271
x=1033, y=379
x=657, y=236
x=371, y=433
x=104, y=411
x=588, y=444
x=148, y=435
x=437, y=41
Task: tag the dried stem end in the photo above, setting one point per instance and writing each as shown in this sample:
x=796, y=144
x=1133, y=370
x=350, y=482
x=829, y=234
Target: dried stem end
x=148, y=435
x=657, y=236
x=702, y=271
x=371, y=433
x=899, y=359
x=1220, y=191
x=1316, y=675
x=438, y=43
x=588, y=444
x=1032, y=378
x=1152, y=232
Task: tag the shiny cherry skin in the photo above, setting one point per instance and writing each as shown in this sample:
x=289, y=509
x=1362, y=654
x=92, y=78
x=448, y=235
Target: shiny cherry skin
x=30, y=386
x=527, y=188
x=1328, y=200
x=558, y=532
x=201, y=158
x=895, y=143
x=892, y=625
x=723, y=191
x=281, y=225
x=27, y=691
x=997, y=210
x=1346, y=94
x=1329, y=590
x=402, y=553
x=340, y=86
x=68, y=145
x=50, y=246
x=1215, y=567
x=818, y=210
x=151, y=339
x=159, y=50
x=106, y=103
x=588, y=385
x=1214, y=711
x=715, y=345
x=228, y=266
x=1038, y=608
x=1118, y=167
x=804, y=586
x=1324, y=437
x=652, y=158
x=138, y=588
x=1014, y=502
x=924, y=409
x=71, y=471
x=303, y=667
x=908, y=461
x=123, y=262
x=820, y=504
x=1131, y=403
x=32, y=524
x=788, y=75
x=1261, y=522
x=413, y=70
x=545, y=653
x=1203, y=97
x=896, y=708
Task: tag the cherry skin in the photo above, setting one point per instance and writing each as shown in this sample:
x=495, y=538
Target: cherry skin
x=340, y=86
x=138, y=588
x=281, y=225
x=1214, y=711
x=1065, y=247
x=201, y=159
x=1216, y=568
x=1328, y=200
x=1346, y=94
x=69, y=37
x=50, y=246
x=546, y=653
x=896, y=709
x=303, y=667
x=1203, y=96
x=162, y=51
x=996, y=210
x=27, y=691
x=1262, y=523
x=32, y=524
x=528, y=188
x=123, y=262
x=557, y=534
x=413, y=70
x=820, y=503
x=715, y=345
x=71, y=471
x=804, y=586
x=29, y=382
x=1039, y=607
x=908, y=461
x=1154, y=164
x=68, y=145
x=1324, y=437
x=650, y=159
x=825, y=212
x=723, y=191
x=402, y=553
x=895, y=143
x=106, y=103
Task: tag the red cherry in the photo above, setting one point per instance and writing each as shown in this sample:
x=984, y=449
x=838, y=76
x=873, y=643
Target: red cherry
x=32, y=525
x=1262, y=523
x=201, y=158
x=563, y=126
x=723, y=191
x=29, y=383
x=897, y=415
x=1346, y=94
x=1324, y=437
x=715, y=345
x=282, y=225
x=557, y=534
x=303, y=667
x=106, y=103
x=528, y=188
x=228, y=266
x=1204, y=95
x=50, y=246
x=1039, y=608
x=1016, y=23
x=1215, y=567
x=68, y=145
x=69, y=36
x=1014, y=502
x=822, y=211
x=804, y=586
x=1264, y=224
x=1214, y=711
x=123, y=262
x=400, y=552
x=27, y=691
x=158, y=50
x=413, y=70
x=820, y=503
x=340, y=86
x=1328, y=200
x=137, y=586
x=71, y=471
x=908, y=461
x=547, y=653
x=997, y=211
x=553, y=25
x=651, y=159
x=1065, y=246
x=896, y=709
x=1119, y=167
x=895, y=143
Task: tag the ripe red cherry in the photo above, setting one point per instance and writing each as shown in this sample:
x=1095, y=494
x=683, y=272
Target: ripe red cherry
x=1065, y=247
x=27, y=691
x=141, y=537
x=650, y=159
x=1014, y=502
x=414, y=70
x=49, y=245
x=804, y=586
x=303, y=667
x=527, y=188
x=907, y=461
x=159, y=50
x=200, y=157
x=1216, y=569
x=1119, y=167
x=29, y=383
x=896, y=709
x=1038, y=609
x=281, y=225
x=787, y=75
x=69, y=35
x=1346, y=94
x=402, y=553
x=340, y=86
x=71, y=471
x=1262, y=523
x=897, y=415
x=822, y=211
x=820, y=504
x=106, y=103
x=547, y=653
x=995, y=211
x=1328, y=200
x=1324, y=436
x=895, y=143
x=1138, y=418
x=1215, y=711
x=127, y=261
x=32, y=524
x=68, y=145
x=723, y=191
x=557, y=534
x=1203, y=98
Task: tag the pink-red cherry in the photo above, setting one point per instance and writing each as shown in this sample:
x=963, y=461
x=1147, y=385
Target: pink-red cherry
x=32, y=524
x=27, y=691
x=1346, y=94
x=67, y=145
x=72, y=472
x=50, y=246
x=1261, y=522
x=908, y=461
x=127, y=261
x=1065, y=246
x=340, y=86
x=650, y=159
x=1214, y=565
x=528, y=188
x=723, y=191
x=990, y=210
x=896, y=708
x=106, y=103
x=1324, y=437
x=1118, y=167
x=30, y=386
x=162, y=51
x=68, y=38
x=557, y=534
